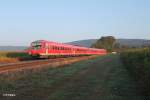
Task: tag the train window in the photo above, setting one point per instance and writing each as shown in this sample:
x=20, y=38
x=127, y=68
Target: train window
x=54, y=47
x=50, y=47
x=57, y=48
x=37, y=47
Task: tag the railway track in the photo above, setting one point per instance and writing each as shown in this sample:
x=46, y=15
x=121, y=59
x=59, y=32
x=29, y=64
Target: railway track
x=25, y=64
x=4, y=68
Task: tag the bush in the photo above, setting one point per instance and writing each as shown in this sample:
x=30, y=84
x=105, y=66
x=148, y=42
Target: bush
x=137, y=61
x=9, y=56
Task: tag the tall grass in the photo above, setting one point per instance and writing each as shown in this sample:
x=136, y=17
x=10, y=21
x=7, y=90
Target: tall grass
x=12, y=56
x=137, y=61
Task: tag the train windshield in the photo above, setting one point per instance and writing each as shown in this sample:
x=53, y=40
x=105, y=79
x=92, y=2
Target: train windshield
x=36, y=45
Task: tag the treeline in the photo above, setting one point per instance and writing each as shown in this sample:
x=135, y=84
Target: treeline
x=137, y=61
x=105, y=43
x=111, y=44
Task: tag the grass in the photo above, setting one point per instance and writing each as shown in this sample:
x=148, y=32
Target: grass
x=137, y=61
x=102, y=78
x=13, y=56
x=108, y=84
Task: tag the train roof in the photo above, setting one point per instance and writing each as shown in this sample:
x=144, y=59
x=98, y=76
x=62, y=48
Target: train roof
x=67, y=45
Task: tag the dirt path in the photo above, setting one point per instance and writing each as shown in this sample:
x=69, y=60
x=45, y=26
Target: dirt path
x=103, y=78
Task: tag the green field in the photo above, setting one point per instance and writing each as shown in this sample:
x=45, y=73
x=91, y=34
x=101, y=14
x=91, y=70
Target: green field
x=102, y=78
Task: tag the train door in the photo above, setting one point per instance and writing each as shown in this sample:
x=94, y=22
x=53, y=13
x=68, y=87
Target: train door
x=46, y=48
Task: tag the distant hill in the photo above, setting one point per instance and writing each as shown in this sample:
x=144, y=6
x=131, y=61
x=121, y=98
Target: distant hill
x=84, y=43
x=134, y=42
x=128, y=42
x=12, y=48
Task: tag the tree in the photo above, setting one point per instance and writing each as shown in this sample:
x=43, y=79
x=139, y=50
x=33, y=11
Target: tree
x=117, y=46
x=107, y=42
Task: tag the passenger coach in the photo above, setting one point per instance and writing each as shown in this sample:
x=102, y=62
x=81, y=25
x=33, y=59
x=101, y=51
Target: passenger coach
x=48, y=48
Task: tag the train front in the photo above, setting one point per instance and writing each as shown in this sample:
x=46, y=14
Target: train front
x=36, y=49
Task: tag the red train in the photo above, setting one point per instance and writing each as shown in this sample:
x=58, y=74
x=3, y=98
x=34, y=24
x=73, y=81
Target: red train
x=43, y=48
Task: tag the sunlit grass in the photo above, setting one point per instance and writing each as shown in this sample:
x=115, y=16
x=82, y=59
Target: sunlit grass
x=12, y=56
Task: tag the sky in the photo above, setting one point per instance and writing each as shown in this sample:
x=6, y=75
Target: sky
x=24, y=21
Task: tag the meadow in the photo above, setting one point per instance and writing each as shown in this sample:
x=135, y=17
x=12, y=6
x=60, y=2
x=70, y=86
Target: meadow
x=101, y=78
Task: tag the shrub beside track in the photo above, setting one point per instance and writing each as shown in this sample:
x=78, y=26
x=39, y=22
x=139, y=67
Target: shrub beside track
x=13, y=56
x=137, y=61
